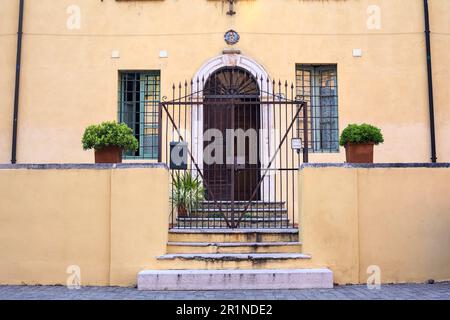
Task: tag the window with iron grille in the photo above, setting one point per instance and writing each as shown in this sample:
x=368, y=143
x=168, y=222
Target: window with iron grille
x=317, y=84
x=139, y=98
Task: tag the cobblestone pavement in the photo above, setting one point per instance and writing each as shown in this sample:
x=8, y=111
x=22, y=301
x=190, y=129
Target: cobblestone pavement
x=438, y=291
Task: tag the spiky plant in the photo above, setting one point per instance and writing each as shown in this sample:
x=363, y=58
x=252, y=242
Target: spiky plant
x=187, y=192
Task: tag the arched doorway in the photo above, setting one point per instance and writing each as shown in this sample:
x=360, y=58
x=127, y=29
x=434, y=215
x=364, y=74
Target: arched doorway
x=241, y=192
x=232, y=119
x=266, y=142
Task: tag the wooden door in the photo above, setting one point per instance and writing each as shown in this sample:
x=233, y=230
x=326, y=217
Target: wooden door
x=246, y=171
x=229, y=103
x=218, y=173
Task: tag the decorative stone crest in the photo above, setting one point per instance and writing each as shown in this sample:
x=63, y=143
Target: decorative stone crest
x=232, y=37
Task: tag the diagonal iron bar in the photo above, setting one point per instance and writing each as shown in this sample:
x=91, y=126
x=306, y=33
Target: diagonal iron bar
x=302, y=105
x=196, y=165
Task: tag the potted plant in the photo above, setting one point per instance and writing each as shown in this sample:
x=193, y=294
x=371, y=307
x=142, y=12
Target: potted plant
x=359, y=140
x=187, y=193
x=109, y=140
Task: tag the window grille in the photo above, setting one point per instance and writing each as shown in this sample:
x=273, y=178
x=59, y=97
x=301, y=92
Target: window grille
x=139, y=98
x=318, y=86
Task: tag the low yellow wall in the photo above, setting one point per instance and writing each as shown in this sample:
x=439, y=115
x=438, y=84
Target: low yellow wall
x=109, y=222
x=112, y=222
x=395, y=218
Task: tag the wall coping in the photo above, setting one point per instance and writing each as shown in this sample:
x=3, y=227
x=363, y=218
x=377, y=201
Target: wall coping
x=82, y=166
x=93, y=166
x=374, y=165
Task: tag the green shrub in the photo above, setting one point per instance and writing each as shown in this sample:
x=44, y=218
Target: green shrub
x=364, y=133
x=109, y=134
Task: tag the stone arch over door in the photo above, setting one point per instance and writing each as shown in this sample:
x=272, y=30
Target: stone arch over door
x=229, y=60
x=267, y=137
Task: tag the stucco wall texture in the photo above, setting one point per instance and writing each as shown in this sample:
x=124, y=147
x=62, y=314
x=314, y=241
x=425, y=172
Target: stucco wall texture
x=113, y=223
x=69, y=79
x=110, y=223
x=396, y=220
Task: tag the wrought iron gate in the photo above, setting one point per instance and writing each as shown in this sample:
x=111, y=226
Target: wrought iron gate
x=232, y=143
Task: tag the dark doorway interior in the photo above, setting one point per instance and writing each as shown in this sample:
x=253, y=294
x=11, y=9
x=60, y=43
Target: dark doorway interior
x=231, y=101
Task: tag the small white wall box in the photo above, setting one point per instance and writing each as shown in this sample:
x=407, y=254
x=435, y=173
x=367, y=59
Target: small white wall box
x=297, y=144
x=163, y=54
x=115, y=54
x=357, y=53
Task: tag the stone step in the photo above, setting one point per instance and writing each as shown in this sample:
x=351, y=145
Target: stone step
x=238, y=211
x=233, y=235
x=237, y=261
x=243, y=204
x=257, y=213
x=234, y=247
x=235, y=279
x=271, y=225
x=254, y=222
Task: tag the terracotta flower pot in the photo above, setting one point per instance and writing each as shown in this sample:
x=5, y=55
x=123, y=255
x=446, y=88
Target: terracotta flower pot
x=359, y=153
x=109, y=154
x=182, y=211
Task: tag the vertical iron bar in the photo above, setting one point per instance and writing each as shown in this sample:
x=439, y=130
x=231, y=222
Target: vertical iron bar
x=160, y=139
x=274, y=107
x=173, y=111
x=305, y=135
x=286, y=148
x=261, y=139
x=269, y=132
x=280, y=165
x=233, y=166
x=179, y=107
x=282, y=141
x=293, y=173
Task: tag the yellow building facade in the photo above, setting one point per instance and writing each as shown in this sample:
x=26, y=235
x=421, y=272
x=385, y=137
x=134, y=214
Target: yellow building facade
x=160, y=66
x=74, y=52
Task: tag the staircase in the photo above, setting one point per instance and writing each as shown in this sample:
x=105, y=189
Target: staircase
x=234, y=259
x=259, y=214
